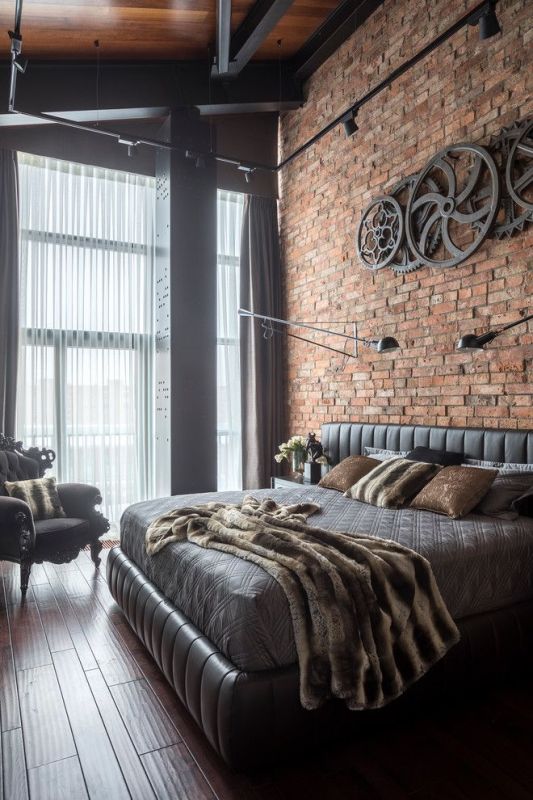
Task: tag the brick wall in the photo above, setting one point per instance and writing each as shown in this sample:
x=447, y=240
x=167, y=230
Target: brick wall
x=465, y=91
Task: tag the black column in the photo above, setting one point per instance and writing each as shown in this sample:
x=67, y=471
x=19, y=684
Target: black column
x=186, y=285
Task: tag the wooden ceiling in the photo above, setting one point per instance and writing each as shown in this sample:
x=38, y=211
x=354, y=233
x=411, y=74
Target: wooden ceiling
x=133, y=30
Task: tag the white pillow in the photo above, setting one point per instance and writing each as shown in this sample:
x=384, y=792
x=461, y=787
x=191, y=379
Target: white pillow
x=382, y=455
x=501, y=466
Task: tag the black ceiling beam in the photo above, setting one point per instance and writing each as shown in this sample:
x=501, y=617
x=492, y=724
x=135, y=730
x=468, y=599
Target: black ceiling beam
x=70, y=87
x=252, y=32
x=223, y=36
x=333, y=32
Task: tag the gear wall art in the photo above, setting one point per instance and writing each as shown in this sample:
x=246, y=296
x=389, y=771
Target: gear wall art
x=441, y=216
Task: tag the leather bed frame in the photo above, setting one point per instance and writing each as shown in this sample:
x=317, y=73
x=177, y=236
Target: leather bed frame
x=255, y=718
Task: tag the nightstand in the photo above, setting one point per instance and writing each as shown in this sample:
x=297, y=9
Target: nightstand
x=288, y=482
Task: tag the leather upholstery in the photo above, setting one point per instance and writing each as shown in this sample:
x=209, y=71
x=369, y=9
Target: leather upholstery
x=79, y=499
x=350, y=438
x=10, y=528
x=255, y=718
x=16, y=467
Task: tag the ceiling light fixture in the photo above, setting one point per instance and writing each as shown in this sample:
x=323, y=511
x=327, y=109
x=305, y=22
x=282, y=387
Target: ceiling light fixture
x=350, y=123
x=387, y=344
x=131, y=144
x=487, y=20
x=472, y=342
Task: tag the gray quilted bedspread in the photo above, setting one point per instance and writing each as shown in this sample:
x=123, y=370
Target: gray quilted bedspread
x=480, y=563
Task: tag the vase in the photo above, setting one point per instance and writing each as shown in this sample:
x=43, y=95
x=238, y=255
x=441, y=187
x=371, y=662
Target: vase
x=297, y=461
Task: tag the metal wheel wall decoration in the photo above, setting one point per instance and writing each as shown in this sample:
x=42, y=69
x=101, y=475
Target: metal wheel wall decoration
x=404, y=259
x=513, y=151
x=380, y=232
x=463, y=212
x=441, y=216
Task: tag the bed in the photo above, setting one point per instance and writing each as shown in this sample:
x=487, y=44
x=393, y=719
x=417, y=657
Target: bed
x=220, y=629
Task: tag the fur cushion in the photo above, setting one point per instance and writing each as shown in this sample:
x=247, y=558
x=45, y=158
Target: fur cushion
x=41, y=496
x=393, y=483
x=348, y=472
x=455, y=491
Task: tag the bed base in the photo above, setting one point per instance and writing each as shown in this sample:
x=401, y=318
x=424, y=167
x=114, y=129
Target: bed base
x=253, y=719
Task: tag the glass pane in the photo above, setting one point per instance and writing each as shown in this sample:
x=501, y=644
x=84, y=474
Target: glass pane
x=100, y=414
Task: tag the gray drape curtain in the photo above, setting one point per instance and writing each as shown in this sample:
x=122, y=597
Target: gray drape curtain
x=261, y=359
x=9, y=285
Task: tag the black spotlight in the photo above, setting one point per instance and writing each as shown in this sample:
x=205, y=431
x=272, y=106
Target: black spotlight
x=487, y=20
x=350, y=124
x=488, y=23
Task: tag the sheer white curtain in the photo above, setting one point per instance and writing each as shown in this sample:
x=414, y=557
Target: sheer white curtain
x=230, y=209
x=87, y=340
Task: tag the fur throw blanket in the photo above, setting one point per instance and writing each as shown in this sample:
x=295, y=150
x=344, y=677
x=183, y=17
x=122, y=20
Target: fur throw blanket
x=367, y=614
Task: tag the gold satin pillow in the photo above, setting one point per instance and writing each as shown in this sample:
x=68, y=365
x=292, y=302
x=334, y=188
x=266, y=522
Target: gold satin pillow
x=348, y=472
x=455, y=491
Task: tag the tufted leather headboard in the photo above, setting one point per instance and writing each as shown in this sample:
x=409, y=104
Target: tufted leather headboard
x=342, y=439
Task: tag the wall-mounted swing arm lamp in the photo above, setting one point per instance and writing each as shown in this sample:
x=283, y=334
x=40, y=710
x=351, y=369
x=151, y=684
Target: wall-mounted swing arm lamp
x=471, y=342
x=387, y=344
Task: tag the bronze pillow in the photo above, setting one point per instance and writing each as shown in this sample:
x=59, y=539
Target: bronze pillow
x=40, y=494
x=392, y=483
x=455, y=491
x=348, y=472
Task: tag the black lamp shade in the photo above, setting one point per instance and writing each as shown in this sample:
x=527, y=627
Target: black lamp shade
x=469, y=342
x=488, y=24
x=387, y=344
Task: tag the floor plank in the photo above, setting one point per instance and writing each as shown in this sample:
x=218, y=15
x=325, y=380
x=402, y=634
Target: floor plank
x=75, y=630
x=14, y=766
x=174, y=774
x=149, y=726
x=57, y=780
x=112, y=657
x=9, y=704
x=101, y=769
x=30, y=647
x=47, y=735
x=54, y=625
x=132, y=768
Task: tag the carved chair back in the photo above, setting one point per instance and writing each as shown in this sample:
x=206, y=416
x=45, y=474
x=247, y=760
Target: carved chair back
x=18, y=464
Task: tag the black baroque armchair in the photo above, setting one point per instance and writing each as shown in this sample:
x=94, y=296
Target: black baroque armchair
x=27, y=541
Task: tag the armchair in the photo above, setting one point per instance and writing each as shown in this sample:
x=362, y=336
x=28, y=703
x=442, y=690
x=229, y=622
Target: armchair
x=27, y=541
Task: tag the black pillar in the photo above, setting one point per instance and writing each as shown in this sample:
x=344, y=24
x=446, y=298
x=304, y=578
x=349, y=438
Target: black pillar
x=186, y=285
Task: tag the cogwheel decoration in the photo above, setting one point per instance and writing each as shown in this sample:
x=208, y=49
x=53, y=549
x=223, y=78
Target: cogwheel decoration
x=405, y=260
x=462, y=211
x=512, y=149
x=380, y=232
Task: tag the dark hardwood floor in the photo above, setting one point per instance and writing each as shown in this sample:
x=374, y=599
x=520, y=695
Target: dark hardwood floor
x=85, y=712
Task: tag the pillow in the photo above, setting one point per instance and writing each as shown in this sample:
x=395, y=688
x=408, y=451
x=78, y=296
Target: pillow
x=444, y=457
x=383, y=455
x=348, y=472
x=455, y=490
x=501, y=466
x=41, y=496
x=524, y=505
x=392, y=483
x=507, y=488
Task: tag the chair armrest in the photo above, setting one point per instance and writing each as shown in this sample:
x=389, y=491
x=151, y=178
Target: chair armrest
x=79, y=500
x=17, y=531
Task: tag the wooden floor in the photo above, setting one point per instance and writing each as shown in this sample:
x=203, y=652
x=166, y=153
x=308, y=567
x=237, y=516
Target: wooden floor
x=85, y=712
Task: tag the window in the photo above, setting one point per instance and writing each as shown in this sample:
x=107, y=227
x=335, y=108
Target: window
x=87, y=339
x=230, y=210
